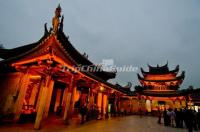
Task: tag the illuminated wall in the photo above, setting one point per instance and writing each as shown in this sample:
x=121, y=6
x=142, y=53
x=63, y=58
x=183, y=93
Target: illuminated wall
x=160, y=77
x=9, y=84
x=148, y=105
x=99, y=101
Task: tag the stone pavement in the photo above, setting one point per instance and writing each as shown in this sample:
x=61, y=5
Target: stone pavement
x=118, y=124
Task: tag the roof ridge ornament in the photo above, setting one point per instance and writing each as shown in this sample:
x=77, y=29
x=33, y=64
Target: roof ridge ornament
x=56, y=19
x=45, y=29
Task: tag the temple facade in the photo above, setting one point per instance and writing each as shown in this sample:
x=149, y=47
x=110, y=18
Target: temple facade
x=51, y=77
x=160, y=87
x=161, y=79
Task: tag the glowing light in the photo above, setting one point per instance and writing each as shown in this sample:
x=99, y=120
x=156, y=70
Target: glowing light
x=35, y=77
x=160, y=77
x=101, y=88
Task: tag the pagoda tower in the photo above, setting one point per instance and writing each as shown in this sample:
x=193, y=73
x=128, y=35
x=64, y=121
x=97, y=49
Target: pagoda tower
x=160, y=88
x=160, y=78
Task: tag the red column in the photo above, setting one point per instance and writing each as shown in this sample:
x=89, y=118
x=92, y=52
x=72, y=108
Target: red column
x=41, y=108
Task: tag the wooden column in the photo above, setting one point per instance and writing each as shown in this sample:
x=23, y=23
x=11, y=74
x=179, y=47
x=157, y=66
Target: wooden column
x=67, y=107
x=151, y=105
x=48, y=100
x=21, y=96
x=130, y=106
x=42, y=103
x=65, y=99
x=71, y=101
x=33, y=94
x=102, y=106
x=39, y=95
x=106, y=106
x=65, y=92
x=69, y=97
x=115, y=105
x=99, y=101
x=91, y=99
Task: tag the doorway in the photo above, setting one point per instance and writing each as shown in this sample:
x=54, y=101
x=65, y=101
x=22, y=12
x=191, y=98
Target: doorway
x=56, y=105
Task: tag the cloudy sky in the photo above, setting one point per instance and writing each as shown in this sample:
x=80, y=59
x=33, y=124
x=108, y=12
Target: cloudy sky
x=132, y=32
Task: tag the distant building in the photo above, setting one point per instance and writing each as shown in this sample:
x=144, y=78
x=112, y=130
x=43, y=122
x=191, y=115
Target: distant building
x=160, y=87
x=161, y=79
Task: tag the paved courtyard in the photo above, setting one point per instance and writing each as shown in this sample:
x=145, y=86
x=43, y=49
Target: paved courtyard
x=119, y=124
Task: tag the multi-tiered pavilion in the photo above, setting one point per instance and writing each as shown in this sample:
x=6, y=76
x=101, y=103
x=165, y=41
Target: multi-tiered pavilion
x=160, y=87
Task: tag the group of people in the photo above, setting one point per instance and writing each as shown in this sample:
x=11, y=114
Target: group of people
x=88, y=114
x=181, y=118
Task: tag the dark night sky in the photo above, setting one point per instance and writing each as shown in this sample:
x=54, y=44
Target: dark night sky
x=131, y=32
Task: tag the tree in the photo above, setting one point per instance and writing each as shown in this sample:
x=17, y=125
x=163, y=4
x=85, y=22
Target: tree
x=139, y=88
x=190, y=87
x=1, y=46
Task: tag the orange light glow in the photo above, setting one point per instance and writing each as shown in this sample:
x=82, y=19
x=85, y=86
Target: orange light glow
x=160, y=77
x=35, y=77
x=101, y=88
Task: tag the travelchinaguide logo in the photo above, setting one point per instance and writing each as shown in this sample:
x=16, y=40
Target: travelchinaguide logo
x=106, y=65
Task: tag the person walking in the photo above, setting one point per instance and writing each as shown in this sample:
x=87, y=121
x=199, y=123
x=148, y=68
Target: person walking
x=159, y=116
x=169, y=117
x=172, y=117
x=195, y=120
x=181, y=117
x=189, y=120
x=165, y=117
x=83, y=112
x=177, y=118
x=198, y=119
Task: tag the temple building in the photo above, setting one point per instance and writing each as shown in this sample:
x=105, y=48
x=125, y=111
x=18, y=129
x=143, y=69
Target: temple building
x=51, y=76
x=160, y=87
